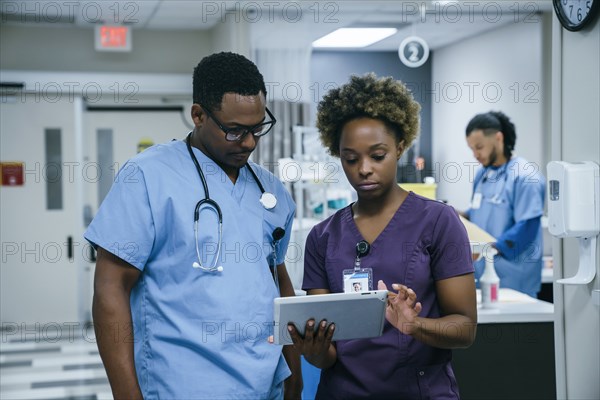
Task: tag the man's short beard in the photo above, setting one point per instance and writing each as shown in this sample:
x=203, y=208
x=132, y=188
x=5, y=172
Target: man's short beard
x=493, y=158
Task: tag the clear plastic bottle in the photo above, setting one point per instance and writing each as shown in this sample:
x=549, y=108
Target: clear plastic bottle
x=489, y=281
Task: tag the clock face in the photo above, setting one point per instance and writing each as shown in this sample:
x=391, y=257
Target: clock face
x=575, y=14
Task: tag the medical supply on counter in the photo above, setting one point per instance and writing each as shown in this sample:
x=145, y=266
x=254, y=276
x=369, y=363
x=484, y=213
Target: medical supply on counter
x=489, y=281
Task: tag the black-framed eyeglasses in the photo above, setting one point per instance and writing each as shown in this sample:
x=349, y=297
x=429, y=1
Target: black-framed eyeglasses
x=239, y=132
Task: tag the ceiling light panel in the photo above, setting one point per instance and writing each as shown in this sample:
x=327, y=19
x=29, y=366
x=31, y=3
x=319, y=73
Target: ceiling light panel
x=353, y=37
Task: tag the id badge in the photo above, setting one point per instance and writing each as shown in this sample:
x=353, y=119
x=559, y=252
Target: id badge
x=476, y=202
x=358, y=280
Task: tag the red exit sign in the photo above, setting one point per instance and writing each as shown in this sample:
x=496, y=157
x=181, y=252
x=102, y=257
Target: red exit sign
x=113, y=38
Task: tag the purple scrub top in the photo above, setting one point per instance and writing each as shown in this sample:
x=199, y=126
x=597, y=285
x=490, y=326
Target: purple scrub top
x=424, y=242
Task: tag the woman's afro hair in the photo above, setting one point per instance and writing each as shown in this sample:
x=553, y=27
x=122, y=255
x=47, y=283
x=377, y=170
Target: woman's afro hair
x=385, y=99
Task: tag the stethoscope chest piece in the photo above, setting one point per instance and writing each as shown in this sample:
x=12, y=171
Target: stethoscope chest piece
x=268, y=200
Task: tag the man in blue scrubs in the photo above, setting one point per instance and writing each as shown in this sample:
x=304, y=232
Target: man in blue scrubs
x=508, y=202
x=182, y=311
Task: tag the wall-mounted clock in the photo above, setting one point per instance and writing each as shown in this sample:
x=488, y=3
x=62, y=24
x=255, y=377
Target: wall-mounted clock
x=575, y=14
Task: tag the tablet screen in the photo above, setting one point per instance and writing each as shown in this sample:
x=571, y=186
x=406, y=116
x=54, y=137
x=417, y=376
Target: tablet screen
x=356, y=315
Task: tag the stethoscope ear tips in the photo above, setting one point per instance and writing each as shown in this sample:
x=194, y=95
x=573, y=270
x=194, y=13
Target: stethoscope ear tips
x=220, y=268
x=195, y=265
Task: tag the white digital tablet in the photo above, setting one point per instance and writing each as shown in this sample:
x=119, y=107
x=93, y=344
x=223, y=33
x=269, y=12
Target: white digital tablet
x=356, y=315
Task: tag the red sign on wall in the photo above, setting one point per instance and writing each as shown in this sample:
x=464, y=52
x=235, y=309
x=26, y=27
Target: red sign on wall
x=12, y=174
x=112, y=38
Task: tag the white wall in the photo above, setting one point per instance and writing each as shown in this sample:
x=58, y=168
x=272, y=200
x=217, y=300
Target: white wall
x=231, y=36
x=58, y=49
x=576, y=137
x=499, y=70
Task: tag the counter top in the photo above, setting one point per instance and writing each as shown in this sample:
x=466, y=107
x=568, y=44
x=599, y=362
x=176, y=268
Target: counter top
x=547, y=275
x=513, y=307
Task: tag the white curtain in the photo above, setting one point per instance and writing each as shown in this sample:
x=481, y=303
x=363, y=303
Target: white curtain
x=279, y=142
x=286, y=72
x=287, y=77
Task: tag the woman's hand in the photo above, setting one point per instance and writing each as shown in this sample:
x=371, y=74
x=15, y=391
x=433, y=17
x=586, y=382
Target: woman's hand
x=403, y=308
x=315, y=346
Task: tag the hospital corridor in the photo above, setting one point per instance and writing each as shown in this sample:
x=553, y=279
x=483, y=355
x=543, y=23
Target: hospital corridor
x=172, y=169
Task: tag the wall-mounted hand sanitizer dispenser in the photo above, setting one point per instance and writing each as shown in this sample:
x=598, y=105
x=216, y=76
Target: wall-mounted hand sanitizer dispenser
x=573, y=199
x=574, y=211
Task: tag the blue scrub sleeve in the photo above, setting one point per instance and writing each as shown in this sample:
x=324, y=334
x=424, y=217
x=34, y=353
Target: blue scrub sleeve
x=518, y=238
x=123, y=224
x=529, y=196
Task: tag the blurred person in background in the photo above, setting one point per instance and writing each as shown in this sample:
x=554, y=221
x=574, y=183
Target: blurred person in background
x=507, y=202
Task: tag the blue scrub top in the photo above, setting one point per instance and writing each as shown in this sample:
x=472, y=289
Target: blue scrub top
x=197, y=334
x=512, y=203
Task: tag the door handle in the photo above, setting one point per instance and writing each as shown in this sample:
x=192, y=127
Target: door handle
x=92, y=254
x=70, y=247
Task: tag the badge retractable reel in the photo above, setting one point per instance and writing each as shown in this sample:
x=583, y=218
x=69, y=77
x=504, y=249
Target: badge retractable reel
x=359, y=279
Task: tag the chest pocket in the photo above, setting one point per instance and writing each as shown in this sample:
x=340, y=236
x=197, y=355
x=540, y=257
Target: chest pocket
x=273, y=219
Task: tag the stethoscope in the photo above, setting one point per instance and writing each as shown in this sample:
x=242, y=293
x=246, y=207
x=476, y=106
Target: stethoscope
x=495, y=199
x=268, y=201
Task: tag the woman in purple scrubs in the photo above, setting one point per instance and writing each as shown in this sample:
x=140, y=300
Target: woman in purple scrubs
x=418, y=246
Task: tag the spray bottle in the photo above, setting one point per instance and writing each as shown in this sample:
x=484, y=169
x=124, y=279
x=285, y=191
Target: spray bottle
x=489, y=281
